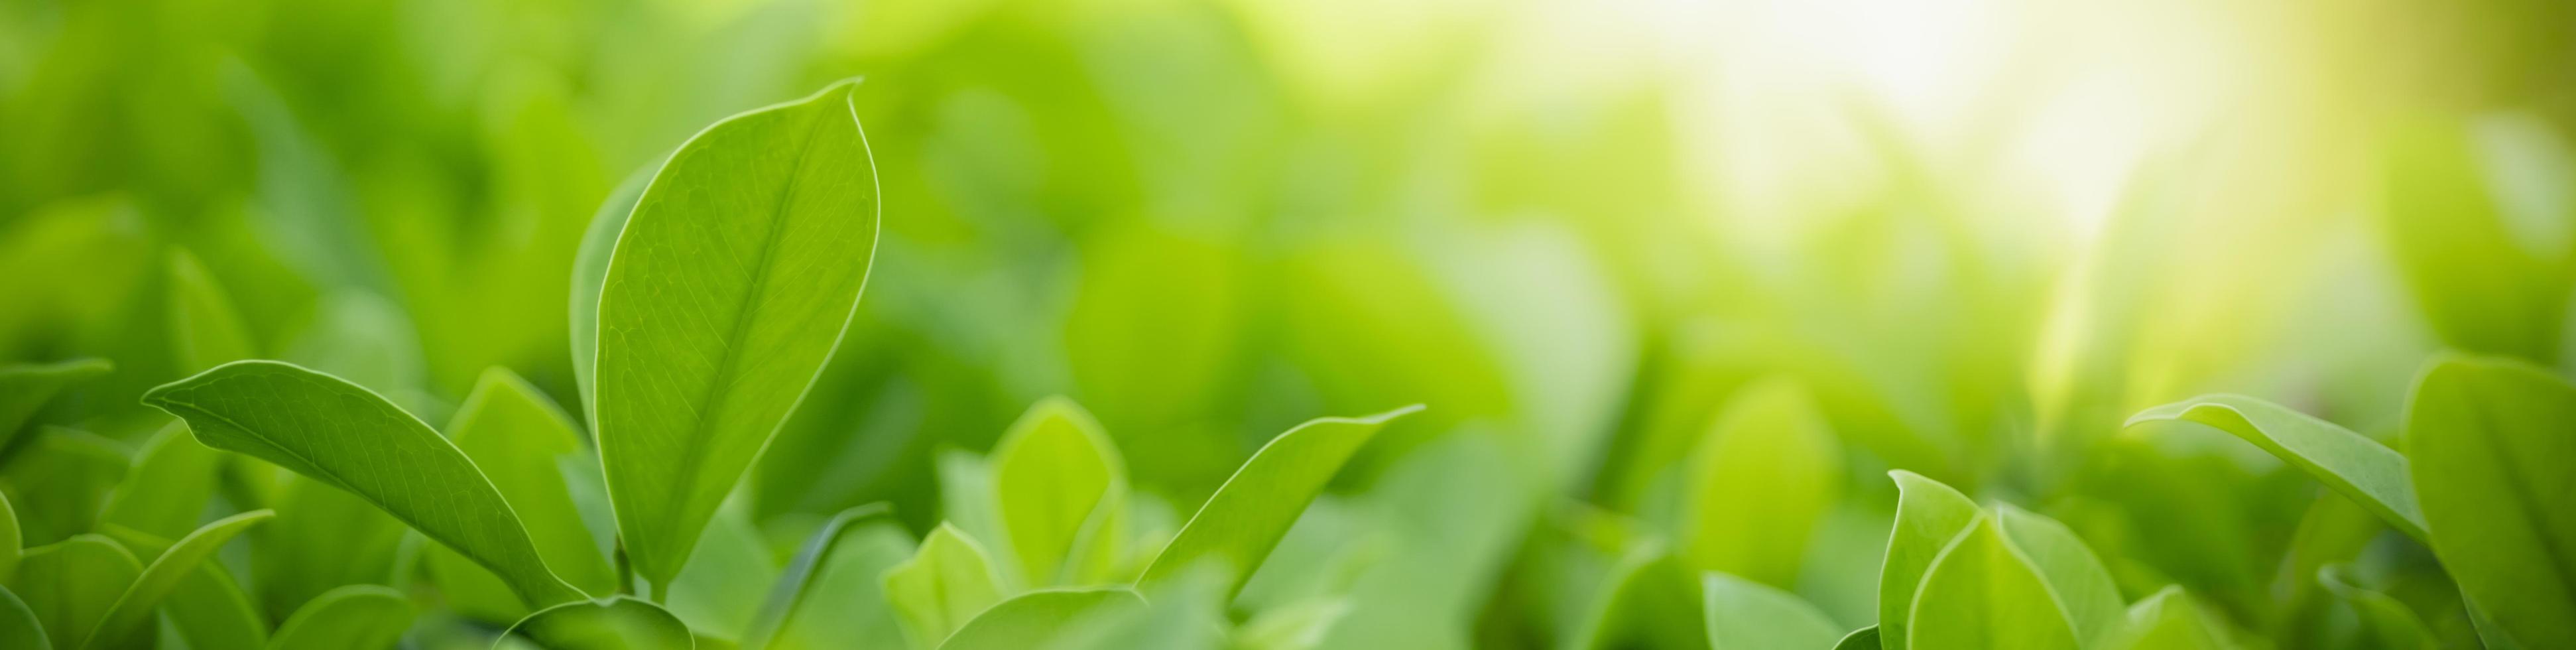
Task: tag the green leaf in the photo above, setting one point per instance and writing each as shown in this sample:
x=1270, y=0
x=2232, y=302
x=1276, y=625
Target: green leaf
x=844, y=605
x=2491, y=444
x=1033, y=618
x=1984, y=593
x=19, y=628
x=324, y=537
x=352, y=617
x=166, y=493
x=589, y=271
x=2081, y=584
x=736, y=275
x=1061, y=489
x=133, y=610
x=617, y=623
x=519, y=439
x=720, y=592
x=967, y=501
x=11, y=545
x=2353, y=465
x=25, y=387
x=1647, y=599
x=946, y=582
x=1246, y=517
x=352, y=439
x=1299, y=625
x=1928, y=516
x=207, y=607
x=204, y=330
x=1747, y=615
x=2167, y=620
x=2383, y=619
x=1866, y=638
x=72, y=584
x=60, y=481
x=789, y=591
x=1767, y=472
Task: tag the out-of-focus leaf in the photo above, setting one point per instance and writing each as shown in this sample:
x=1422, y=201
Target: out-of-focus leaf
x=1767, y=472
x=845, y=604
x=2334, y=530
x=1061, y=487
x=352, y=617
x=2168, y=620
x=589, y=271
x=1296, y=626
x=1984, y=593
x=1245, y=518
x=1748, y=615
x=127, y=618
x=616, y=623
x=2491, y=445
x=519, y=439
x=2387, y=622
x=19, y=628
x=207, y=608
x=2480, y=290
x=719, y=593
x=324, y=537
x=350, y=438
x=1035, y=617
x=1866, y=638
x=967, y=500
x=738, y=271
x=11, y=545
x=2367, y=471
x=788, y=594
x=204, y=330
x=24, y=388
x=947, y=582
x=1646, y=600
x=1453, y=513
x=71, y=585
x=1928, y=516
x=166, y=493
x=2077, y=579
x=59, y=481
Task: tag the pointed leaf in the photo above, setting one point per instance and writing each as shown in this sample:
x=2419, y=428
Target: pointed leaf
x=166, y=493
x=948, y=581
x=810, y=559
x=1984, y=593
x=1246, y=517
x=2492, y=441
x=2384, y=619
x=844, y=605
x=133, y=609
x=1928, y=516
x=352, y=439
x=11, y=545
x=1060, y=486
x=2166, y=621
x=2082, y=586
x=736, y=275
x=618, y=623
x=208, y=608
x=72, y=584
x=1031, y=619
x=19, y=628
x=353, y=617
x=24, y=388
x=1767, y=472
x=519, y=440
x=2366, y=471
x=1747, y=615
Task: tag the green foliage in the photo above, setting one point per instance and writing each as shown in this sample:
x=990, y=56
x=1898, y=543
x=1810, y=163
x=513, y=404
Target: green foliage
x=2368, y=472
x=71, y=585
x=354, y=617
x=2490, y=445
x=1746, y=614
x=518, y=439
x=611, y=624
x=1033, y=618
x=945, y=583
x=132, y=612
x=1769, y=464
x=1239, y=524
x=1983, y=591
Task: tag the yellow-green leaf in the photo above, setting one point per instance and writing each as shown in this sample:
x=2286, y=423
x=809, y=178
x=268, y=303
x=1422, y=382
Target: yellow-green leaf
x=2168, y=620
x=1031, y=619
x=2385, y=620
x=817, y=552
x=948, y=581
x=2366, y=471
x=1768, y=470
x=2081, y=584
x=1246, y=517
x=1060, y=486
x=1747, y=615
x=1984, y=593
x=1928, y=516
x=2492, y=441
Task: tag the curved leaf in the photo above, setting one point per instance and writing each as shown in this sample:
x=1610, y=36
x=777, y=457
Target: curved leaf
x=1030, y=619
x=738, y=270
x=59, y=480
x=810, y=559
x=2492, y=444
x=11, y=544
x=1647, y=599
x=1246, y=517
x=946, y=582
x=1060, y=487
x=1928, y=516
x=1866, y=638
x=844, y=605
x=519, y=440
x=1984, y=593
x=166, y=492
x=352, y=617
x=2352, y=464
x=2167, y=620
x=207, y=607
x=25, y=387
x=204, y=330
x=348, y=437
x=617, y=623
x=132, y=610
x=2384, y=619
x=71, y=585
x=19, y=629
x=2082, y=586
x=1769, y=469
x=1747, y=615
x=589, y=271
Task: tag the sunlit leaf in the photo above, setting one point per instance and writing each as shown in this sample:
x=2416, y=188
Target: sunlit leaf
x=1984, y=593
x=617, y=623
x=1647, y=599
x=1768, y=470
x=2168, y=620
x=133, y=609
x=1245, y=518
x=2491, y=444
x=2083, y=588
x=1060, y=486
x=948, y=581
x=589, y=271
x=1928, y=516
x=350, y=438
x=1033, y=618
x=2366, y=471
x=354, y=617
x=1747, y=615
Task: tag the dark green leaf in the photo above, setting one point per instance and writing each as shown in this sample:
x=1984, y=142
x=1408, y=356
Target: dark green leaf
x=204, y=330
x=166, y=493
x=24, y=388
x=59, y=481
x=19, y=629
x=2385, y=620
x=208, y=608
x=353, y=617
x=1866, y=638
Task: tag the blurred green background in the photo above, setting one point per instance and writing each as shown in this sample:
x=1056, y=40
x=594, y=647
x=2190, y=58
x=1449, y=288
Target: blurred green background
x=1979, y=233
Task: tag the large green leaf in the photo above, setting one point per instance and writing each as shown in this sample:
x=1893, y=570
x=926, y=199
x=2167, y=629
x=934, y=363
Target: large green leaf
x=353, y=617
x=2492, y=441
x=736, y=275
x=352, y=439
x=789, y=591
x=1768, y=471
x=166, y=493
x=2167, y=620
x=946, y=582
x=519, y=440
x=25, y=387
x=72, y=584
x=2387, y=622
x=617, y=623
x=1747, y=615
x=1982, y=592
x=1928, y=516
x=2081, y=584
x=19, y=628
x=1060, y=487
x=1245, y=518
x=204, y=330
x=2366, y=471
x=132, y=610
x=1031, y=619
x=208, y=608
